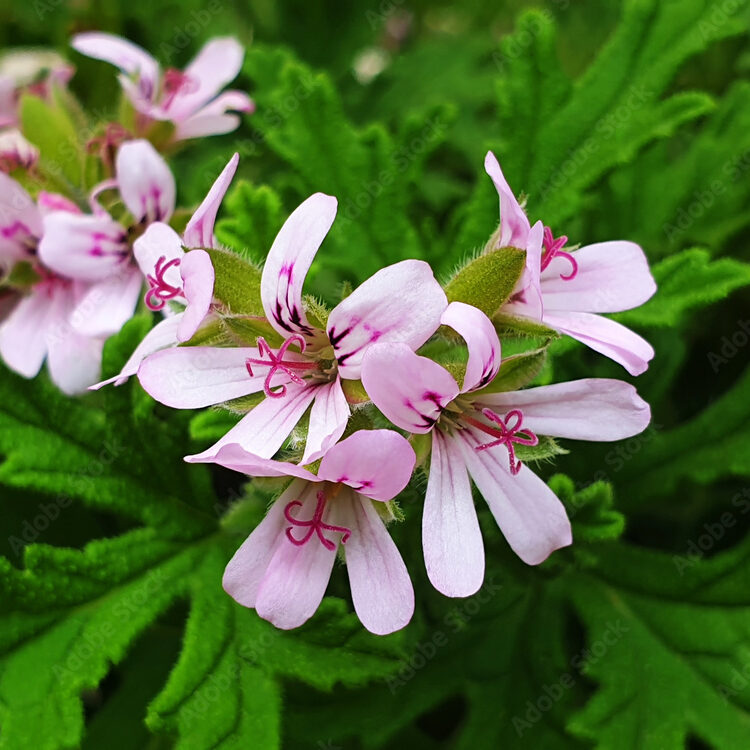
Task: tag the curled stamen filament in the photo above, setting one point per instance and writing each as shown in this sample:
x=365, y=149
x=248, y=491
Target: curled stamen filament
x=315, y=525
x=553, y=248
x=277, y=362
x=506, y=434
x=159, y=290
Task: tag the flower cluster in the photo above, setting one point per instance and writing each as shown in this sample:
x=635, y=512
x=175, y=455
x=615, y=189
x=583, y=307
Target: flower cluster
x=307, y=373
x=404, y=375
x=74, y=263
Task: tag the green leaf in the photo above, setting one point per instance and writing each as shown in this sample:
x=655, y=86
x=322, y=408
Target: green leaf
x=674, y=640
x=70, y=449
x=487, y=281
x=237, y=283
x=215, y=696
x=561, y=136
x=591, y=509
x=368, y=170
x=713, y=445
x=686, y=281
x=253, y=218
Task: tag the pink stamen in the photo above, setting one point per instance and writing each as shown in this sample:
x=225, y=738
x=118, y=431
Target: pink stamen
x=553, y=248
x=278, y=363
x=506, y=434
x=315, y=525
x=159, y=291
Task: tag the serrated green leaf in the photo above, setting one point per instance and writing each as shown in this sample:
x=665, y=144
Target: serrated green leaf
x=713, y=445
x=687, y=281
x=253, y=218
x=591, y=509
x=662, y=680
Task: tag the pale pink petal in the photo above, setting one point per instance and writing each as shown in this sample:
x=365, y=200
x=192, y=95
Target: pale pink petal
x=265, y=429
x=20, y=220
x=289, y=260
x=128, y=57
x=514, y=225
x=481, y=339
x=605, y=336
x=328, y=418
x=215, y=117
x=382, y=593
x=376, y=463
x=199, y=231
x=162, y=335
x=526, y=299
x=83, y=247
x=157, y=242
x=216, y=64
x=191, y=377
x=591, y=409
x=108, y=305
x=49, y=202
x=410, y=390
x=400, y=303
x=73, y=360
x=23, y=335
x=297, y=576
x=529, y=514
x=611, y=277
x=452, y=541
x=233, y=456
x=145, y=181
x=245, y=571
x=198, y=284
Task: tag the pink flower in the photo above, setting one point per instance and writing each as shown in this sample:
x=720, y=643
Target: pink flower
x=15, y=151
x=95, y=248
x=190, y=98
x=566, y=290
x=282, y=569
x=176, y=276
x=44, y=322
x=475, y=434
x=402, y=302
x=28, y=71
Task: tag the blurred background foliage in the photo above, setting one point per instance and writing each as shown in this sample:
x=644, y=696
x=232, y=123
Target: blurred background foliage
x=406, y=63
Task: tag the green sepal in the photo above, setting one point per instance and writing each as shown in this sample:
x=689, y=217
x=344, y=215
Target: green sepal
x=237, y=283
x=317, y=313
x=161, y=134
x=513, y=326
x=487, y=281
x=22, y=276
x=422, y=444
x=244, y=404
x=517, y=371
x=247, y=329
x=354, y=391
x=544, y=450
